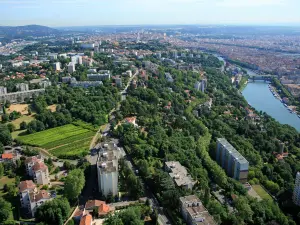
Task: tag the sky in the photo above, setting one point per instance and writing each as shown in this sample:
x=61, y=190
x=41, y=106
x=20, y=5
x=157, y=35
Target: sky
x=59, y=13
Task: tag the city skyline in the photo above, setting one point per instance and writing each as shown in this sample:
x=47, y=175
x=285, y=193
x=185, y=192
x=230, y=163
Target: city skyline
x=136, y=12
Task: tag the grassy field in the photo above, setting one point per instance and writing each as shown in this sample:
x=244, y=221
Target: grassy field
x=65, y=141
x=261, y=192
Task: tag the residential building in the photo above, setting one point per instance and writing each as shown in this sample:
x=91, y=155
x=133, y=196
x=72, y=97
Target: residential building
x=37, y=169
x=86, y=220
x=296, y=194
x=179, y=174
x=129, y=73
x=20, y=95
x=76, y=59
x=7, y=157
x=234, y=164
x=193, y=211
x=37, y=199
x=26, y=188
x=201, y=85
x=30, y=198
x=22, y=87
x=88, y=45
x=118, y=81
x=42, y=82
x=41, y=173
x=102, y=75
x=66, y=79
x=52, y=56
x=169, y=77
x=86, y=61
x=85, y=84
x=3, y=90
x=56, y=66
x=71, y=67
x=107, y=169
x=0, y=66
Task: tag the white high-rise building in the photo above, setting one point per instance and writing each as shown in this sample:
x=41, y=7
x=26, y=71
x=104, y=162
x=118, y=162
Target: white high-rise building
x=36, y=168
x=107, y=169
x=296, y=194
x=56, y=66
x=71, y=67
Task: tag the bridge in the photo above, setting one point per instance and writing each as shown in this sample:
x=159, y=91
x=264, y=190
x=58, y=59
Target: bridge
x=262, y=77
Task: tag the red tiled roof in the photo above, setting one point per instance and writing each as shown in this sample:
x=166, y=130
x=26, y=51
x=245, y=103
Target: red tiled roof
x=90, y=204
x=103, y=209
x=7, y=156
x=86, y=220
x=32, y=159
x=130, y=119
x=42, y=195
x=39, y=166
x=26, y=184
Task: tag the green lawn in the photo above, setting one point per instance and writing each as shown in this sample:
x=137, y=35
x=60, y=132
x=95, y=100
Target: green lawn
x=261, y=192
x=23, y=118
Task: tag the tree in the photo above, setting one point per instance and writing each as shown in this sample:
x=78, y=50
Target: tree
x=1, y=170
x=5, y=136
x=5, y=209
x=1, y=148
x=53, y=212
x=11, y=127
x=74, y=184
x=4, y=118
x=7, y=104
x=23, y=125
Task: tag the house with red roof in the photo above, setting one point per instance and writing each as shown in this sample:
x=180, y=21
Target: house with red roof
x=86, y=220
x=7, y=157
x=37, y=169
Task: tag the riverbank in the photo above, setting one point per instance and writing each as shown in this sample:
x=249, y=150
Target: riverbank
x=259, y=96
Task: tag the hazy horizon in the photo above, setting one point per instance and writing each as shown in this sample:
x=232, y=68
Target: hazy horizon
x=67, y=13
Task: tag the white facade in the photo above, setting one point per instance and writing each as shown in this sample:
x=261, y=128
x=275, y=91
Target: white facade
x=71, y=67
x=129, y=73
x=56, y=66
x=296, y=194
x=22, y=87
x=42, y=177
x=107, y=181
x=3, y=90
x=107, y=169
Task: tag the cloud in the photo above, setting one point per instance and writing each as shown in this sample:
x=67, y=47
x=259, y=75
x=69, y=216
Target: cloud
x=250, y=3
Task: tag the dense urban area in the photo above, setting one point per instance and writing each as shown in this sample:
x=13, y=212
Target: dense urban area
x=146, y=126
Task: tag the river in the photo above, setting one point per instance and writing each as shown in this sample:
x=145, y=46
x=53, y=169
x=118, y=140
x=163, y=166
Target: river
x=260, y=97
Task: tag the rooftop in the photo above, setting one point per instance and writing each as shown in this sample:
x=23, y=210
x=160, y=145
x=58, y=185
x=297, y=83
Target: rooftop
x=232, y=150
x=86, y=220
x=7, y=156
x=26, y=185
x=196, y=210
x=179, y=174
x=90, y=204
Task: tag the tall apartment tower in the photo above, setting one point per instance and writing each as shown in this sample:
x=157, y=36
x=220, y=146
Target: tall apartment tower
x=234, y=164
x=203, y=85
x=296, y=194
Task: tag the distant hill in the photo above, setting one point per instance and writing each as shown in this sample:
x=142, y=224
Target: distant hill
x=26, y=31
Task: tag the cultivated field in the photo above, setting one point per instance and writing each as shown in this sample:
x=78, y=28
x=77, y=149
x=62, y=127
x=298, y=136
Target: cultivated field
x=69, y=141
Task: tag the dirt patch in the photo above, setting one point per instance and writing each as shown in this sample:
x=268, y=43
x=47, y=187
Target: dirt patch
x=52, y=108
x=21, y=108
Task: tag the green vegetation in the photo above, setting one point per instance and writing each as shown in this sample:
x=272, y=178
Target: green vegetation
x=261, y=192
x=174, y=133
x=65, y=141
x=5, y=210
x=53, y=212
x=74, y=184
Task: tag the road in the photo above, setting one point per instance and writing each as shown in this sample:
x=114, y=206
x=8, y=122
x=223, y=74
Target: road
x=92, y=182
